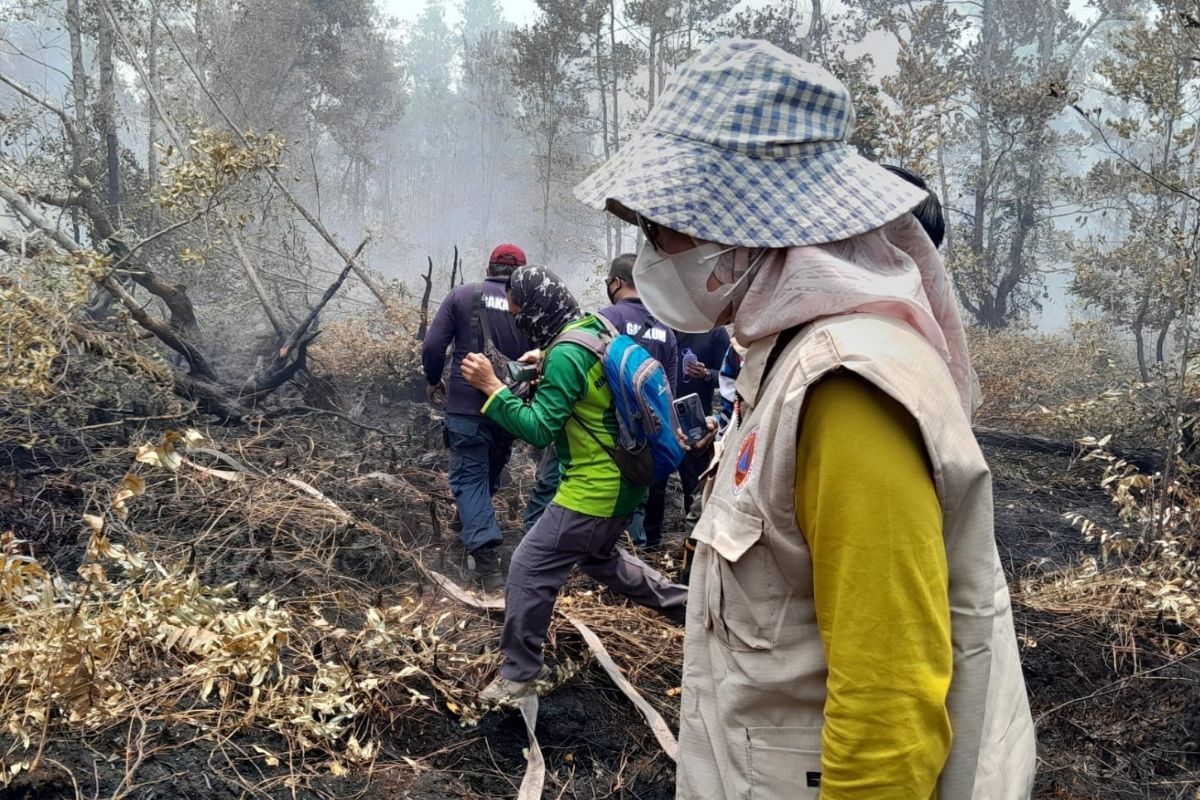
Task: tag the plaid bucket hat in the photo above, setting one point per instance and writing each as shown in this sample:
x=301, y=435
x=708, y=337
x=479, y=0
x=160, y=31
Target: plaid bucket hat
x=747, y=146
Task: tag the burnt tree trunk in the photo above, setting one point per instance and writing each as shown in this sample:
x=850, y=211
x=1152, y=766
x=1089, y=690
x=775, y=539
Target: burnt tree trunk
x=1145, y=459
x=428, y=278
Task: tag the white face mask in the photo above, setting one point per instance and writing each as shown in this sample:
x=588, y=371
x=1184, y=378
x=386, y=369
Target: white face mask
x=675, y=287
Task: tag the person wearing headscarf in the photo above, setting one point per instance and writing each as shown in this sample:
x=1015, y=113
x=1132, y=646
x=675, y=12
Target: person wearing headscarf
x=572, y=410
x=849, y=631
x=629, y=316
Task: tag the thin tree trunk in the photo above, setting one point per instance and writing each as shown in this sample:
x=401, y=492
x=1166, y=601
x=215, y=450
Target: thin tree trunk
x=602, y=85
x=986, y=37
x=546, y=203
x=1160, y=345
x=151, y=113
x=1029, y=195
x=616, y=114
x=78, y=75
x=108, y=113
x=273, y=315
x=1139, y=339
x=652, y=73
x=941, y=163
x=425, y=298
x=78, y=90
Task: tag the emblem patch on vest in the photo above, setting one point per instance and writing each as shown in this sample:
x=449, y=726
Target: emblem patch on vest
x=744, y=467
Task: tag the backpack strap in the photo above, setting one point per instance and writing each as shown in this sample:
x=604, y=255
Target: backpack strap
x=597, y=345
x=594, y=343
x=608, y=450
x=480, y=325
x=586, y=339
x=608, y=326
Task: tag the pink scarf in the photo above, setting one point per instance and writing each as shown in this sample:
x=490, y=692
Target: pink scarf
x=893, y=271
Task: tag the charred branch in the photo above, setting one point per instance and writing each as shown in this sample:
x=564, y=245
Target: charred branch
x=167, y=333
x=1145, y=459
x=425, y=296
x=293, y=354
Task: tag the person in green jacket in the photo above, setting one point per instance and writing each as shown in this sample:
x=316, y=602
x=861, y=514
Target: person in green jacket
x=573, y=411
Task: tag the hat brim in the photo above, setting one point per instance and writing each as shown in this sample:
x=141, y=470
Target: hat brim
x=823, y=193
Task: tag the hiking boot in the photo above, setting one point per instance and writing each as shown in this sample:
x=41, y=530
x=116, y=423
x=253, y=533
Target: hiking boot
x=502, y=692
x=693, y=515
x=487, y=568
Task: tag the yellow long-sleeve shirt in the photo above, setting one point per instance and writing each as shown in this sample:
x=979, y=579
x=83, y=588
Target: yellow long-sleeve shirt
x=866, y=503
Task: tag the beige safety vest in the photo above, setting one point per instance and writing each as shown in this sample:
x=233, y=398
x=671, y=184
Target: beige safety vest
x=754, y=668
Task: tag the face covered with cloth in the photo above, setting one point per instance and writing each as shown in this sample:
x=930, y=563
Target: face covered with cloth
x=756, y=210
x=851, y=462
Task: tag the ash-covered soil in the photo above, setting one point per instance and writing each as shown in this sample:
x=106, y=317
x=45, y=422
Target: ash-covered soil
x=1117, y=709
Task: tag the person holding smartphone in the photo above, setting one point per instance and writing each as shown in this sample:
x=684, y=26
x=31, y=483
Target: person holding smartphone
x=700, y=360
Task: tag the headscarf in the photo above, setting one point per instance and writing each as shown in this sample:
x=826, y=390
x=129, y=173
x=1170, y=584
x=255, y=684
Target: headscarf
x=893, y=271
x=547, y=305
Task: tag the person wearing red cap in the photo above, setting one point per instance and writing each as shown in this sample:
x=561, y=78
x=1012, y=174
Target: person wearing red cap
x=474, y=317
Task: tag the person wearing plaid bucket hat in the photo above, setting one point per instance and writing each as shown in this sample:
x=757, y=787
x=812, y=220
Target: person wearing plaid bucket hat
x=849, y=627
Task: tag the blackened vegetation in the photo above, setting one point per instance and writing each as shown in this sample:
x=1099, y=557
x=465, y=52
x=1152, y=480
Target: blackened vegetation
x=1115, y=701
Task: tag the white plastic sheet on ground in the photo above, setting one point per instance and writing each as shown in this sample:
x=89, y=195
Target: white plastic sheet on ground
x=535, y=771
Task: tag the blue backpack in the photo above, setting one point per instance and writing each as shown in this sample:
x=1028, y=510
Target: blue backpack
x=647, y=450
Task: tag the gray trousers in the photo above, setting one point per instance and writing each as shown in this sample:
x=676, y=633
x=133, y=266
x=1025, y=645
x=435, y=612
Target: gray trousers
x=541, y=565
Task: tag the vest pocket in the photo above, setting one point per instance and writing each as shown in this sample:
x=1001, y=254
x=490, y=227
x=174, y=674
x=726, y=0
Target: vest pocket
x=746, y=592
x=784, y=763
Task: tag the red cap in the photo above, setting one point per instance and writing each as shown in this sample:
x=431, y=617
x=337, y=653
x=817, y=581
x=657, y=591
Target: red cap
x=508, y=255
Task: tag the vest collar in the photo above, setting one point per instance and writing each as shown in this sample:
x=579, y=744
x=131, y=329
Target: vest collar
x=754, y=369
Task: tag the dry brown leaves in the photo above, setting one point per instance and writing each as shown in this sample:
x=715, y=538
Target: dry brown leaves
x=148, y=632
x=379, y=344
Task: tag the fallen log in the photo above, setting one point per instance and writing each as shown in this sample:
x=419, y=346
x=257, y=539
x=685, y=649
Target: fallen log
x=1145, y=459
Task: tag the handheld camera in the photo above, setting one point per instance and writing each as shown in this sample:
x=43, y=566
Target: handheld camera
x=521, y=373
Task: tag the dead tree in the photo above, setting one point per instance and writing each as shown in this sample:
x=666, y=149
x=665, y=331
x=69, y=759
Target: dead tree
x=108, y=113
x=428, y=278
x=229, y=401
x=95, y=196
x=454, y=269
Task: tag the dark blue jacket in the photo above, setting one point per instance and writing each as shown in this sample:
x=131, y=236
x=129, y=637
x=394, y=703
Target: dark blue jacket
x=708, y=348
x=631, y=317
x=452, y=323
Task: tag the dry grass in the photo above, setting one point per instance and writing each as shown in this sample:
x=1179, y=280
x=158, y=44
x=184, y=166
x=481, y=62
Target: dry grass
x=261, y=593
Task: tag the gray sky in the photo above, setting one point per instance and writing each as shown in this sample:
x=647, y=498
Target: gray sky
x=517, y=11
x=520, y=12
